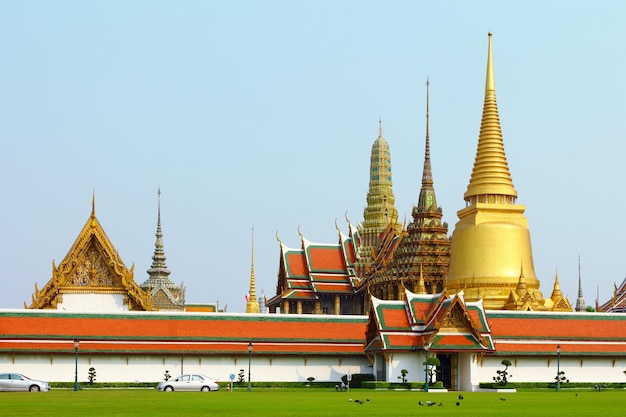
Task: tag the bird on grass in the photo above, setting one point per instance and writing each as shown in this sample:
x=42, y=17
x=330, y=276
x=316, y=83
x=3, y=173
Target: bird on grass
x=440, y=405
x=430, y=403
x=502, y=399
x=458, y=403
x=460, y=396
x=420, y=403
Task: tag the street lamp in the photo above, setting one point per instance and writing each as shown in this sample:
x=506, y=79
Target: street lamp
x=76, y=343
x=558, y=367
x=249, y=363
x=426, y=376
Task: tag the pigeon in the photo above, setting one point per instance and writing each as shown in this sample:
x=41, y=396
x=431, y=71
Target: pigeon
x=458, y=403
x=420, y=403
x=440, y=404
x=502, y=399
x=367, y=399
x=430, y=403
x=460, y=397
x=358, y=401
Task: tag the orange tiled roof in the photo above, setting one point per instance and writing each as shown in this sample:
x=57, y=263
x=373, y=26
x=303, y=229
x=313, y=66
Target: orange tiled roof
x=534, y=333
x=207, y=333
x=316, y=269
x=427, y=321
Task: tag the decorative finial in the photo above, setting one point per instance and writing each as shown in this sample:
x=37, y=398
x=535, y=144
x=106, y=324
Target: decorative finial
x=159, y=207
x=299, y=232
x=93, y=203
x=380, y=126
x=278, y=238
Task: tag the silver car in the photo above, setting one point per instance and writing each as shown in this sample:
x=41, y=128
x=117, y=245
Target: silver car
x=189, y=382
x=19, y=382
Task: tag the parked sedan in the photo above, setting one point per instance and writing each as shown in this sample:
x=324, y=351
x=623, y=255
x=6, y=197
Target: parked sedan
x=189, y=382
x=19, y=382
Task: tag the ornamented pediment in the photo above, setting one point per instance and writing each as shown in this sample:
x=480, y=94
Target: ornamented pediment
x=92, y=265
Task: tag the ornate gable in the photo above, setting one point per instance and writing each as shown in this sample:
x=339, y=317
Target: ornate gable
x=92, y=266
x=436, y=322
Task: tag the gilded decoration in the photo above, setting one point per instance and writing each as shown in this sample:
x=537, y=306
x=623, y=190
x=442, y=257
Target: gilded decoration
x=91, y=265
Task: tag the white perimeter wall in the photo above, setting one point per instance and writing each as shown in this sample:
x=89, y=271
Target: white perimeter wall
x=471, y=369
x=131, y=368
x=544, y=369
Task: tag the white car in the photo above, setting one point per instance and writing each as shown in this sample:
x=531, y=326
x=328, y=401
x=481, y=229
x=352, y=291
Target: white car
x=19, y=382
x=189, y=382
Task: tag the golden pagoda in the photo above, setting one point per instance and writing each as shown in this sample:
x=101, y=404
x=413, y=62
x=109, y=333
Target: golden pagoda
x=380, y=211
x=91, y=277
x=491, y=240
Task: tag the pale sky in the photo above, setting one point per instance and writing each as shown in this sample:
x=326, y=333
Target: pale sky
x=263, y=113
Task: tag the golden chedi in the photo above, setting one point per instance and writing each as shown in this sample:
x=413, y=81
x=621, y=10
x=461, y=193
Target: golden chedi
x=491, y=241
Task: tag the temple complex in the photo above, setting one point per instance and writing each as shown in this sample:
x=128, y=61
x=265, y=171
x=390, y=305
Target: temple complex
x=382, y=300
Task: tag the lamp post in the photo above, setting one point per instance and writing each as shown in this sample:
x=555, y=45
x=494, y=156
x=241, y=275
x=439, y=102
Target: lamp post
x=249, y=364
x=426, y=376
x=76, y=343
x=558, y=367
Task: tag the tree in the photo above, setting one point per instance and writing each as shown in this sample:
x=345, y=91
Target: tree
x=92, y=375
x=241, y=378
x=503, y=375
x=431, y=367
x=167, y=376
x=403, y=375
x=560, y=378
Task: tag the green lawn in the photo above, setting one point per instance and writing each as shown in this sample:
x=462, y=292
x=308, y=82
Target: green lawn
x=310, y=402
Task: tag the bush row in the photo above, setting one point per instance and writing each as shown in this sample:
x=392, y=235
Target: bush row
x=552, y=385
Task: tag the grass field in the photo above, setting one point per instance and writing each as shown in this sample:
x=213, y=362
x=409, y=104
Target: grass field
x=310, y=402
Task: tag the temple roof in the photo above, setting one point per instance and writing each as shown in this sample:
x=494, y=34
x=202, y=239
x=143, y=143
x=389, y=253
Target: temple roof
x=435, y=322
x=177, y=332
x=540, y=333
x=617, y=303
x=316, y=268
x=92, y=265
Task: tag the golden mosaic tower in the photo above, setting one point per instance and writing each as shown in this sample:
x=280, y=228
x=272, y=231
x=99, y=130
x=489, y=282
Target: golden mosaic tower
x=491, y=249
x=420, y=261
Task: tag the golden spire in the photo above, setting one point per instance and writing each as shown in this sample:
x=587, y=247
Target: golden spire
x=556, y=291
x=93, y=203
x=252, y=305
x=421, y=288
x=490, y=175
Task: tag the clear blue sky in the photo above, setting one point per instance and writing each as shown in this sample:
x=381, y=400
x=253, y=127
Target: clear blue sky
x=263, y=113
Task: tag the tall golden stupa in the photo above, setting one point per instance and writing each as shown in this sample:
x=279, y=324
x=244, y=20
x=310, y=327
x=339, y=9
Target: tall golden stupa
x=491, y=255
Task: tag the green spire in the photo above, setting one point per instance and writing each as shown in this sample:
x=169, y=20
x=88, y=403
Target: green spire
x=380, y=210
